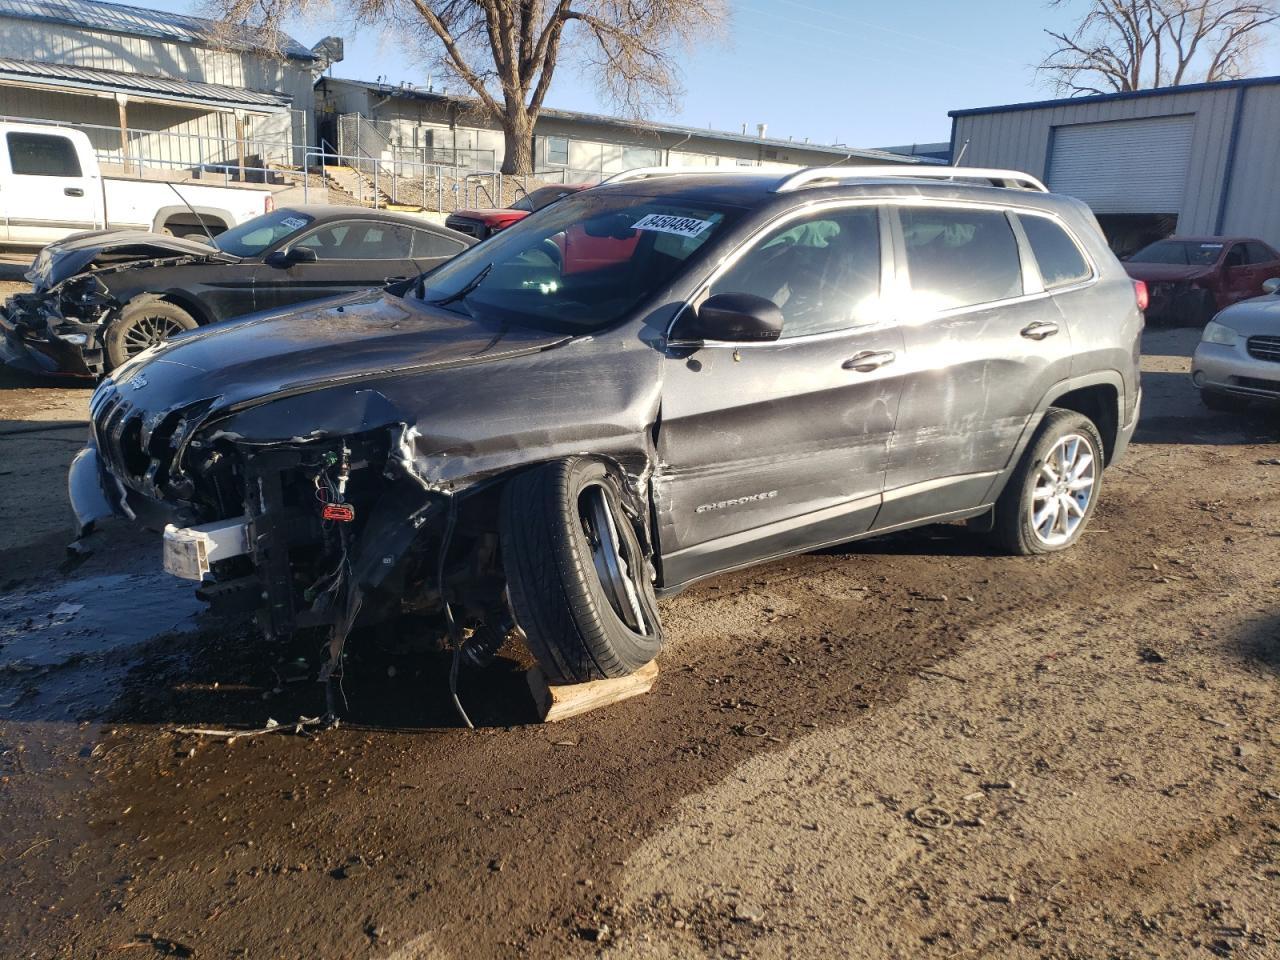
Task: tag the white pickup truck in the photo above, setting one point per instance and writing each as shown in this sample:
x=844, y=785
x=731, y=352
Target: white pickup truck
x=51, y=186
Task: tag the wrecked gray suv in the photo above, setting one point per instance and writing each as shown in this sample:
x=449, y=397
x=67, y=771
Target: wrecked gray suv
x=662, y=378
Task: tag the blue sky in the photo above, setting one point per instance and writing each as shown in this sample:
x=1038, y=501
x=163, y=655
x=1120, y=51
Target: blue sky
x=831, y=70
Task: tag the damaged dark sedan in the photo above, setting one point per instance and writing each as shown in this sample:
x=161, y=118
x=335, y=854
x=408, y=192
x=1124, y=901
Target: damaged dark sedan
x=747, y=366
x=100, y=298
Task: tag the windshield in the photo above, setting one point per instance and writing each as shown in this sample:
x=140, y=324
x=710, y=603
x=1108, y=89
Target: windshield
x=261, y=233
x=1181, y=252
x=579, y=266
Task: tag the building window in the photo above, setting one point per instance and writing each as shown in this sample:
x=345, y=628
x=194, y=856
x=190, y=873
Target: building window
x=558, y=150
x=633, y=157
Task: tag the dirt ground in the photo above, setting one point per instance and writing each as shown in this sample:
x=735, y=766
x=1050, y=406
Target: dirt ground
x=909, y=747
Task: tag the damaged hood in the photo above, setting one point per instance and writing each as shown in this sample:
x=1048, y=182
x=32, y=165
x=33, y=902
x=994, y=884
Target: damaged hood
x=365, y=337
x=66, y=258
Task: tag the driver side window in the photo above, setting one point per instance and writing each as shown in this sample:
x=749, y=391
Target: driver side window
x=359, y=240
x=823, y=271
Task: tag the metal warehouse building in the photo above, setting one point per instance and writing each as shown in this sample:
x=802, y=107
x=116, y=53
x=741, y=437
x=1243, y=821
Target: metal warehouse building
x=1195, y=159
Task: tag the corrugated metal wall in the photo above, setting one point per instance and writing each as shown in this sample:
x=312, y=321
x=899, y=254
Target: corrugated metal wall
x=1253, y=198
x=1023, y=140
x=53, y=43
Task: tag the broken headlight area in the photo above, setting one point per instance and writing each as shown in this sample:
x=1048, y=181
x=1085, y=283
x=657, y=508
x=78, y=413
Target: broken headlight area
x=64, y=323
x=334, y=533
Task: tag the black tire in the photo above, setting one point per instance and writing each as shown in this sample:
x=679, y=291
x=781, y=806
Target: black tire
x=1223, y=402
x=1014, y=530
x=141, y=324
x=559, y=600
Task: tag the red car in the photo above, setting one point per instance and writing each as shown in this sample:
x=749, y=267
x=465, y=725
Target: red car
x=1189, y=279
x=485, y=223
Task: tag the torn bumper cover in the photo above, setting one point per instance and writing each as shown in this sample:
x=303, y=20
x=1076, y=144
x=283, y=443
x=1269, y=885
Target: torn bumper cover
x=36, y=338
x=95, y=494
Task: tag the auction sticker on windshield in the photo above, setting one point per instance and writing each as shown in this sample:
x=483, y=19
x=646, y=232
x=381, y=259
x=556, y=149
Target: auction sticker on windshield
x=293, y=223
x=665, y=223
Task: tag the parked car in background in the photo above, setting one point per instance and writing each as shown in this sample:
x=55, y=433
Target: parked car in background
x=51, y=186
x=1238, y=358
x=1189, y=279
x=764, y=364
x=486, y=222
x=100, y=298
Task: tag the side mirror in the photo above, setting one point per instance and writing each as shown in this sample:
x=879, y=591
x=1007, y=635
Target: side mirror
x=287, y=258
x=729, y=318
x=1271, y=286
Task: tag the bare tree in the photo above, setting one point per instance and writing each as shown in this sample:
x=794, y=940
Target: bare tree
x=507, y=51
x=1123, y=45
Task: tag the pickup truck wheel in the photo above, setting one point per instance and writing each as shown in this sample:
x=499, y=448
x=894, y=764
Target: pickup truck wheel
x=1052, y=493
x=142, y=325
x=579, y=583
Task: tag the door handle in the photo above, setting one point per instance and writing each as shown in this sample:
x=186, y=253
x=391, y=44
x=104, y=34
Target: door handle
x=869, y=360
x=73, y=191
x=1039, y=330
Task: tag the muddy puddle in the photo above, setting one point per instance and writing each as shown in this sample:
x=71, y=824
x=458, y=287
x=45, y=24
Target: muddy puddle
x=65, y=648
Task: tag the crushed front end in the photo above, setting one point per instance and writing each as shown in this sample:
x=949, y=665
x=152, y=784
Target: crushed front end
x=57, y=331
x=310, y=532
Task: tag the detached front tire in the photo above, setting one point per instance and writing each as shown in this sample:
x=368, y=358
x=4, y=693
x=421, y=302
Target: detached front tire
x=1052, y=493
x=578, y=579
x=143, y=324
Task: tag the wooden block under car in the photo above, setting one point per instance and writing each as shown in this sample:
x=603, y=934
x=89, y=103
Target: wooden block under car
x=560, y=701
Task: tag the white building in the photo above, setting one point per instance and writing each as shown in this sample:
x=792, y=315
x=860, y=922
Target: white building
x=372, y=119
x=144, y=83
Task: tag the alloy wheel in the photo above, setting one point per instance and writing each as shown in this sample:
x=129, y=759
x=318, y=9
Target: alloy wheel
x=145, y=332
x=612, y=557
x=1063, y=491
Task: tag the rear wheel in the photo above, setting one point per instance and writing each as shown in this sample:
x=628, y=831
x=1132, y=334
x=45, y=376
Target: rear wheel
x=141, y=325
x=580, y=584
x=1051, y=495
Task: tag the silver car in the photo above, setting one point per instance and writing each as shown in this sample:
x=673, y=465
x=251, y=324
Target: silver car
x=1238, y=359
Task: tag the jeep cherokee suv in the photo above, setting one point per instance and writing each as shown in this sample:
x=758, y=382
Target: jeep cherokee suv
x=749, y=366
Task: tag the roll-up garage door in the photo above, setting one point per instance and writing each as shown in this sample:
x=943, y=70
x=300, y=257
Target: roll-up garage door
x=1124, y=166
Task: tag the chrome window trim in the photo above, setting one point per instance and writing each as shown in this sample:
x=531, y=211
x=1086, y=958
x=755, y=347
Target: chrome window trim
x=1007, y=208
x=894, y=276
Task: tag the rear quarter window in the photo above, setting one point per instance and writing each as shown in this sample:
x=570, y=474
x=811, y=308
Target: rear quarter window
x=960, y=257
x=429, y=244
x=1060, y=260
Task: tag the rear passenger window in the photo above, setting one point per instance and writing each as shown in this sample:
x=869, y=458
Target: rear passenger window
x=960, y=258
x=822, y=272
x=1060, y=260
x=1260, y=252
x=428, y=244
x=42, y=155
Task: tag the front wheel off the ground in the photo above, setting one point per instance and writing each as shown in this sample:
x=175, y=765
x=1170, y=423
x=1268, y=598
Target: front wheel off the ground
x=579, y=581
